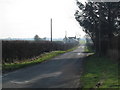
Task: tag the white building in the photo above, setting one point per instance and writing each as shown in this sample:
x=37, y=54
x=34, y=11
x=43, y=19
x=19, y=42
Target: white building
x=70, y=39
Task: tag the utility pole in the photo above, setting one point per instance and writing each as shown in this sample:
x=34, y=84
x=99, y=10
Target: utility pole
x=65, y=33
x=51, y=28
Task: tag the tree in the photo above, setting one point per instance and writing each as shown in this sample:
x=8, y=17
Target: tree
x=101, y=21
x=36, y=38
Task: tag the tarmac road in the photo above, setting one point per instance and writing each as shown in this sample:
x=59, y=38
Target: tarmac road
x=60, y=72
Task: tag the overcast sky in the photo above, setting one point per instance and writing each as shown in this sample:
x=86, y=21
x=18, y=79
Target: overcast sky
x=26, y=18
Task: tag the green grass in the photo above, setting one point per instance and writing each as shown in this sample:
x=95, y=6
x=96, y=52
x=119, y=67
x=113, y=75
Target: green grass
x=82, y=41
x=71, y=49
x=100, y=69
x=88, y=49
x=43, y=57
x=46, y=56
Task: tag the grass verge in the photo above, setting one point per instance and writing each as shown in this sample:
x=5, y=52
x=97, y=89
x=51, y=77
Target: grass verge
x=43, y=57
x=88, y=49
x=100, y=70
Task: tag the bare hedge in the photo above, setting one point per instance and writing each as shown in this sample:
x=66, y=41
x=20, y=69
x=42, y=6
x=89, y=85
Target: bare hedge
x=19, y=50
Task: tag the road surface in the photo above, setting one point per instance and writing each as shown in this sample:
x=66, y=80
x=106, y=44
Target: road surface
x=60, y=72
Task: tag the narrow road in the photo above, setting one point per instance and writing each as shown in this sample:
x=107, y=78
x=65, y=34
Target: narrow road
x=60, y=72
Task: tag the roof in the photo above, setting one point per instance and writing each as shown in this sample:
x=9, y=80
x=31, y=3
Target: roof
x=72, y=37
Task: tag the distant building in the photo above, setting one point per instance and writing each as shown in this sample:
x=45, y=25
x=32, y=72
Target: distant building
x=70, y=39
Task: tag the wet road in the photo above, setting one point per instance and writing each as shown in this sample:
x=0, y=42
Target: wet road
x=60, y=72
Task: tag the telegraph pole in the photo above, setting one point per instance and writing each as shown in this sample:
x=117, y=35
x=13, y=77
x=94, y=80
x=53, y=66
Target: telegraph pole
x=65, y=33
x=51, y=28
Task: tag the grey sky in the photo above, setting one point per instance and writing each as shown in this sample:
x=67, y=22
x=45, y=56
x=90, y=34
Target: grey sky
x=25, y=18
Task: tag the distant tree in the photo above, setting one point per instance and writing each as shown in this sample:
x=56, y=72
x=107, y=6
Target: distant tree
x=36, y=38
x=44, y=38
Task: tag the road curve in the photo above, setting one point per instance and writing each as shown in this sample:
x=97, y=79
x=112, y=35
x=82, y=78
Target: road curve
x=60, y=72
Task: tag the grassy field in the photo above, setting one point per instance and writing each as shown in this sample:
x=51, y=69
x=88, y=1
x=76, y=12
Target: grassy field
x=100, y=71
x=43, y=57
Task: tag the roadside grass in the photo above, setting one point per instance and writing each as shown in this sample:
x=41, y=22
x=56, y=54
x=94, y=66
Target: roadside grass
x=71, y=49
x=43, y=57
x=100, y=70
x=82, y=42
x=88, y=49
